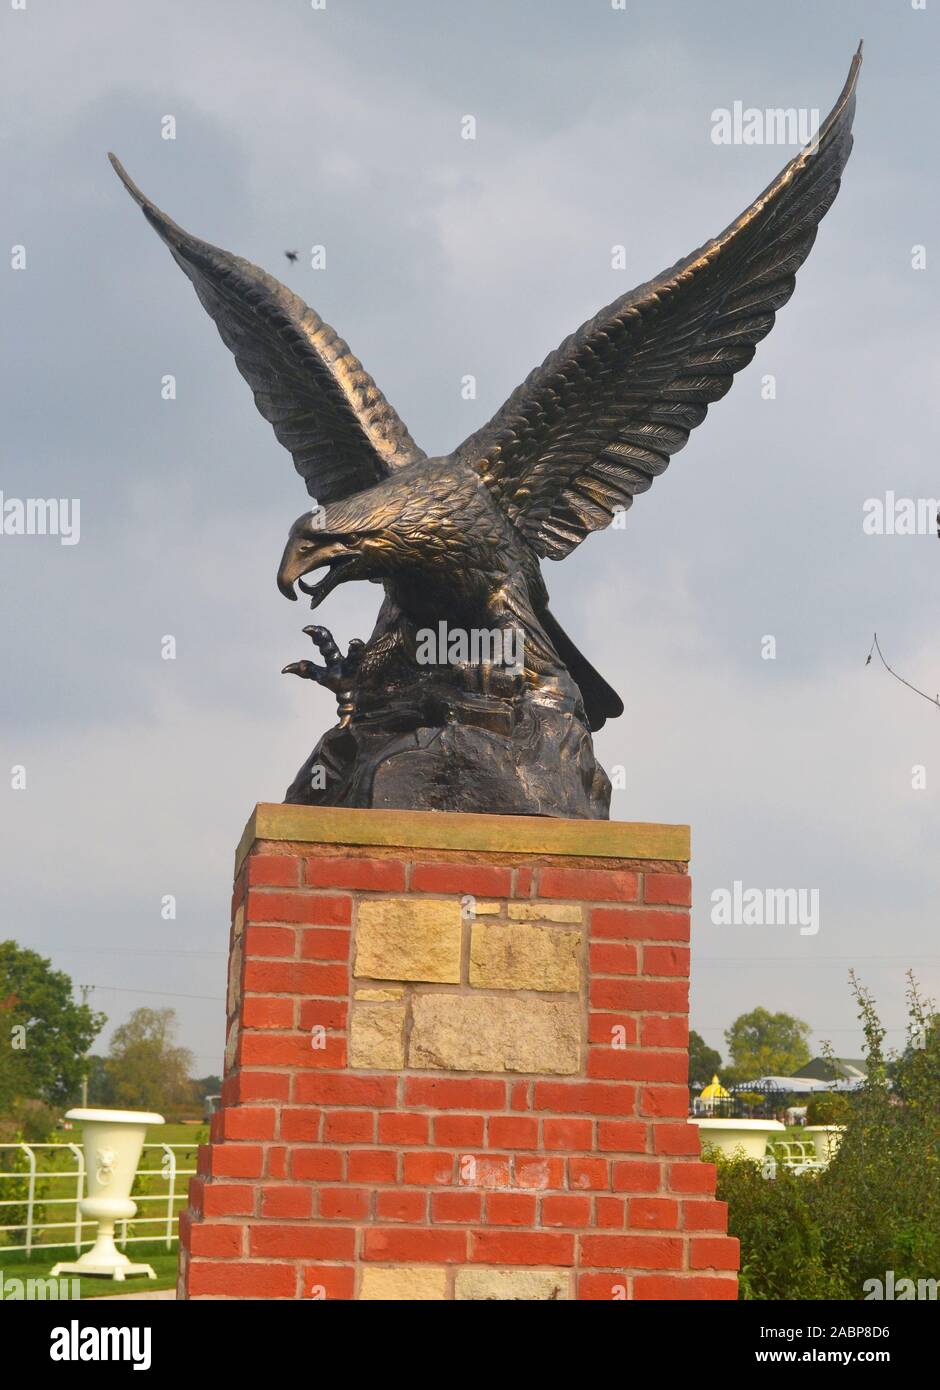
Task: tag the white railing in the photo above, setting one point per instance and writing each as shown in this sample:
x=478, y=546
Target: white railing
x=799, y=1155
x=77, y=1224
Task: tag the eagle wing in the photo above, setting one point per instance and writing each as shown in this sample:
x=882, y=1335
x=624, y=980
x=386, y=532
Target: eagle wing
x=603, y=415
x=325, y=408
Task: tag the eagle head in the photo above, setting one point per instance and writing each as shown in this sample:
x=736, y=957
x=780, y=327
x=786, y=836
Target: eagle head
x=334, y=537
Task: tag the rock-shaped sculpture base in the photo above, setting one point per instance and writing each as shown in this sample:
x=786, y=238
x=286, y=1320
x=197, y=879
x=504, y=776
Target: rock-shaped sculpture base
x=450, y=750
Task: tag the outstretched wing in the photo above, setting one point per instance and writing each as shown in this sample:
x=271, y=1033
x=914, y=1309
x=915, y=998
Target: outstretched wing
x=325, y=408
x=603, y=415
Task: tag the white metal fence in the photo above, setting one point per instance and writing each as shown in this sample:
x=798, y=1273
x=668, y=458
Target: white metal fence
x=34, y=1178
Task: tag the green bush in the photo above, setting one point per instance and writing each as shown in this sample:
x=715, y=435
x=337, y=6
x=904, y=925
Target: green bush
x=876, y=1207
x=827, y=1108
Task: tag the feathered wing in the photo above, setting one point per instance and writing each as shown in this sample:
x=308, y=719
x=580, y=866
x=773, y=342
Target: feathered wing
x=603, y=415
x=325, y=408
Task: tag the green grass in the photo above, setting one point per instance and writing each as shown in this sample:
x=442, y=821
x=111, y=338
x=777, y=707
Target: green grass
x=14, y=1266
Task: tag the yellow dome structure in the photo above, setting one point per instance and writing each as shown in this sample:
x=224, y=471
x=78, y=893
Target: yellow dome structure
x=714, y=1091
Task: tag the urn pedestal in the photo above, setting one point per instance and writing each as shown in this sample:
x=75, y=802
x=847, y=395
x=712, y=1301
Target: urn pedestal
x=456, y=1066
x=113, y=1141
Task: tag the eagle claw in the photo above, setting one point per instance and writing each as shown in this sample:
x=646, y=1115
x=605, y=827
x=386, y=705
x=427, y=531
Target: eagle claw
x=338, y=674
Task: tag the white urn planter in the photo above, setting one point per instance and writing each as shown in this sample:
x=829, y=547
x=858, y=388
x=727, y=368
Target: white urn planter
x=739, y=1136
x=826, y=1138
x=112, y=1140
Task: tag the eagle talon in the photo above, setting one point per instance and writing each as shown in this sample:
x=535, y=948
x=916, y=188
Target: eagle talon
x=339, y=672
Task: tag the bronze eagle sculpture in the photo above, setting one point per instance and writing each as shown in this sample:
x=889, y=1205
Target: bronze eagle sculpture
x=457, y=541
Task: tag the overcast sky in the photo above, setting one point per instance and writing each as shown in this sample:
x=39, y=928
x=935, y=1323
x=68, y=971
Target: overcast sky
x=446, y=257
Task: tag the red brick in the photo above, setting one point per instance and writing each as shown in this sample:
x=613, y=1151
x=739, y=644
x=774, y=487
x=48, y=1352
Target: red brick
x=621, y=1136
x=273, y=871
x=325, y=1088
x=458, y=1131
x=218, y=1241
x=329, y=1281
x=303, y=1125
x=522, y=887
x=537, y=1172
x=322, y=1165
x=633, y=1175
x=248, y=1122
x=344, y=1203
x=610, y=1212
x=636, y=1064
x=638, y=924
x=236, y=1160
x=482, y=880
x=323, y=1013
x=653, y=1213
x=590, y=885
x=613, y=958
x=675, y=1287
x=275, y=1161
x=670, y=1102
x=456, y=1207
x=510, y=1209
x=256, y=1085
x=423, y=1169
x=631, y=1252
x=370, y=875
x=349, y=1127
x=566, y=1211
x=674, y=889
x=608, y=1028
x=311, y=909
x=226, y=1199
x=286, y=1201
x=714, y=1252
x=521, y=1248
x=401, y=1204
x=462, y=1093
x=414, y=1245
x=665, y=1032
x=372, y=1165
x=692, y=1177
x=324, y=943
x=267, y=1013
x=705, y=1215
x=513, y=1132
x=292, y=1050
x=584, y=1097
x=519, y=1095
x=662, y=995
x=401, y=1127
x=588, y=1174
x=295, y=977
x=263, y=1280
x=482, y=1170
x=270, y=941
x=671, y=1138
x=602, y=1288
x=302, y=1242
x=666, y=960
x=567, y=1134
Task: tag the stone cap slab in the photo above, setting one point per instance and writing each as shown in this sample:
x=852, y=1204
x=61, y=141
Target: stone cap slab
x=460, y=830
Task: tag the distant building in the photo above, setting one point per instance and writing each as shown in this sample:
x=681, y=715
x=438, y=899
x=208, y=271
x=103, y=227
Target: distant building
x=854, y=1069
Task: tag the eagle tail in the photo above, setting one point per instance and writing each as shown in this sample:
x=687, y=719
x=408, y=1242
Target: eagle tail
x=601, y=701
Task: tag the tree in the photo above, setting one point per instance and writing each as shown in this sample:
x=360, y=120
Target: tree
x=766, y=1044
x=144, y=1067
x=44, y=1033
x=704, y=1061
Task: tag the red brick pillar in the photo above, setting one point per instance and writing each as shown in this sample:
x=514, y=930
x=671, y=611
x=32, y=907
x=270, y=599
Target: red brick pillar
x=456, y=1066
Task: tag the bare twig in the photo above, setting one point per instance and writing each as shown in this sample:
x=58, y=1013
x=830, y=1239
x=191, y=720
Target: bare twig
x=875, y=647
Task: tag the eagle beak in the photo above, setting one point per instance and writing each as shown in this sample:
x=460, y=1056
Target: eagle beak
x=301, y=555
